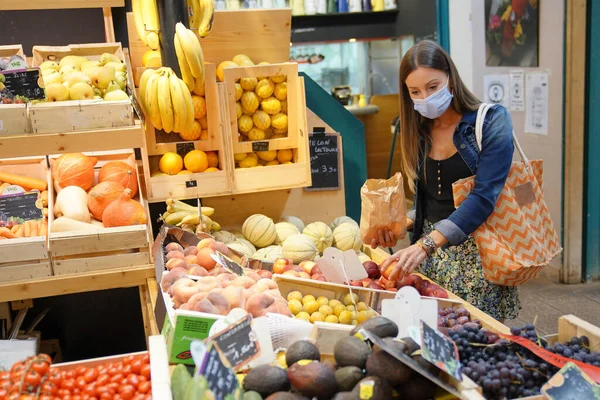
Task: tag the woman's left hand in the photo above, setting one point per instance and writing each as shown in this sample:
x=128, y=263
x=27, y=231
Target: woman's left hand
x=407, y=261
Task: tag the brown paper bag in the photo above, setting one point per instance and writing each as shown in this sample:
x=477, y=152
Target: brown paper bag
x=383, y=207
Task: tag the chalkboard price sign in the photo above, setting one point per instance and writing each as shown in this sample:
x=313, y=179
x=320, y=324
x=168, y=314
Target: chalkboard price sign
x=24, y=83
x=18, y=208
x=440, y=351
x=221, y=379
x=324, y=162
x=570, y=383
x=260, y=146
x=238, y=343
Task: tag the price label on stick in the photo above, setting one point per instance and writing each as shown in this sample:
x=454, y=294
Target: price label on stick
x=238, y=343
x=571, y=383
x=228, y=263
x=440, y=351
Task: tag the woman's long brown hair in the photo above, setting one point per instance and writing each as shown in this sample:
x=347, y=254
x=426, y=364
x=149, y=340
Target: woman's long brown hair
x=427, y=54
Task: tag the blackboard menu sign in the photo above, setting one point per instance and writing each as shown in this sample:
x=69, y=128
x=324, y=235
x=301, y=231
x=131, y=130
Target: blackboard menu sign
x=440, y=351
x=221, y=379
x=238, y=343
x=18, y=208
x=570, y=383
x=260, y=146
x=24, y=82
x=324, y=161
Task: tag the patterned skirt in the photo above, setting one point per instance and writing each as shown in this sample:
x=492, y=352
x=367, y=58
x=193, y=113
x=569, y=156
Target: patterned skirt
x=458, y=269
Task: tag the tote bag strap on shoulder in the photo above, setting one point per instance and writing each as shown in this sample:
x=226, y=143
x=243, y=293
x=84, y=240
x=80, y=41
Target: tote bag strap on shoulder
x=481, y=112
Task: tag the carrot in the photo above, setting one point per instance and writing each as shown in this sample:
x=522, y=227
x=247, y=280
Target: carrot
x=19, y=232
x=34, y=228
x=26, y=229
x=24, y=181
x=7, y=233
x=15, y=228
x=43, y=227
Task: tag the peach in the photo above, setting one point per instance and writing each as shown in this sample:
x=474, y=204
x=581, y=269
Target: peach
x=243, y=282
x=307, y=266
x=190, y=260
x=268, y=282
x=386, y=283
x=235, y=296
x=183, y=289
x=190, y=251
x=303, y=275
x=169, y=278
x=220, y=302
x=387, y=273
x=196, y=298
x=222, y=248
x=176, y=263
x=318, y=277
x=184, y=307
x=175, y=254
x=274, y=292
x=264, y=274
x=205, y=306
x=226, y=277
x=197, y=270
x=253, y=275
x=173, y=247
x=258, y=303
x=297, y=269
x=208, y=283
x=218, y=271
x=291, y=273
x=204, y=258
x=207, y=243
x=249, y=293
x=281, y=265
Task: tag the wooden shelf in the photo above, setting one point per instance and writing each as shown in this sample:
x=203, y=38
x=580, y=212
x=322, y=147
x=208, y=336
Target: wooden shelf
x=69, y=284
x=57, y=143
x=58, y=4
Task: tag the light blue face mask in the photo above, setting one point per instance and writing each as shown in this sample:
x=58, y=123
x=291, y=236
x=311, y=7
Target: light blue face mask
x=435, y=105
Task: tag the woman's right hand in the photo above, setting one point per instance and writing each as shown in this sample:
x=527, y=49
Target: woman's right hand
x=385, y=238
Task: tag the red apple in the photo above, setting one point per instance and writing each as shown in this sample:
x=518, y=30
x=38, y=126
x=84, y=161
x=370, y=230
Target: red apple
x=416, y=281
x=388, y=270
x=405, y=280
x=440, y=293
x=429, y=290
x=264, y=274
x=366, y=281
x=372, y=269
x=307, y=266
x=421, y=286
x=374, y=285
x=356, y=283
x=281, y=265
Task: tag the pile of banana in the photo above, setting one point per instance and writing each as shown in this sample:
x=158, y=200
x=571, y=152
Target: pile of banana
x=166, y=100
x=187, y=217
x=190, y=59
x=145, y=16
x=202, y=16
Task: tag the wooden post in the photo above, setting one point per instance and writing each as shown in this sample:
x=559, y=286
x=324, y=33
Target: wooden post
x=170, y=12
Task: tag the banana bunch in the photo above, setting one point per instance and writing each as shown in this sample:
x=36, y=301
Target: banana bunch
x=202, y=15
x=190, y=58
x=166, y=100
x=145, y=16
x=187, y=218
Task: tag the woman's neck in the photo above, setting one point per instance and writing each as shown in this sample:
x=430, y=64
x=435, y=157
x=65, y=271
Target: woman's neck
x=448, y=119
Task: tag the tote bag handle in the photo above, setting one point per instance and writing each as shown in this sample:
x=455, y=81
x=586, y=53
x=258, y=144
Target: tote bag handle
x=481, y=112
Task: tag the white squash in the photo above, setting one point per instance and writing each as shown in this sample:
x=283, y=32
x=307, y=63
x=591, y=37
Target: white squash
x=72, y=202
x=259, y=230
x=66, y=224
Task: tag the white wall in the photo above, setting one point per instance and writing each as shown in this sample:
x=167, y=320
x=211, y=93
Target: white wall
x=467, y=46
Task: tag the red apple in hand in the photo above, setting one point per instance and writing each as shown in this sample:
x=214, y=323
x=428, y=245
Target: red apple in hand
x=386, y=284
x=429, y=290
x=372, y=269
x=281, y=265
x=388, y=270
x=416, y=281
x=307, y=266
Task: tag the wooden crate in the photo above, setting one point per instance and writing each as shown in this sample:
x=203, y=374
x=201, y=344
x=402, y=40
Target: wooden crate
x=108, y=248
x=188, y=186
x=13, y=117
x=84, y=115
x=570, y=326
x=26, y=258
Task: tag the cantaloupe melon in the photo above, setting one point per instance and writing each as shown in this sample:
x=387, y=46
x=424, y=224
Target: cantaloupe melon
x=341, y=220
x=285, y=229
x=320, y=233
x=347, y=236
x=269, y=253
x=259, y=230
x=243, y=246
x=224, y=237
x=294, y=220
x=299, y=248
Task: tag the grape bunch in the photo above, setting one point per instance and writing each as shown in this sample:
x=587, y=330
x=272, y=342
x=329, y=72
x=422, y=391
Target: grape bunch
x=455, y=319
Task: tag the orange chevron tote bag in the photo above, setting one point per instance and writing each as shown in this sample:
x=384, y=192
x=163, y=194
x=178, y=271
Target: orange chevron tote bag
x=518, y=238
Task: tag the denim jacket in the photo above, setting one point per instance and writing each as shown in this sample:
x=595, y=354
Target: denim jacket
x=490, y=167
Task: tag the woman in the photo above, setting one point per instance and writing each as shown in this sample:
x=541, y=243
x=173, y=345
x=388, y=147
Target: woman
x=439, y=147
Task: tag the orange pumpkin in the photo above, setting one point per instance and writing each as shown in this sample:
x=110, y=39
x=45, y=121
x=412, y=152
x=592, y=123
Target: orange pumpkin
x=119, y=172
x=101, y=196
x=74, y=169
x=124, y=212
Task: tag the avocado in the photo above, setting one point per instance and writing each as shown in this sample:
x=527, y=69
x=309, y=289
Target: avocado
x=312, y=379
x=380, y=326
x=252, y=395
x=385, y=366
x=351, y=352
x=345, y=396
x=411, y=345
x=285, y=396
x=266, y=380
x=373, y=388
x=301, y=350
x=418, y=388
x=347, y=378
x=426, y=364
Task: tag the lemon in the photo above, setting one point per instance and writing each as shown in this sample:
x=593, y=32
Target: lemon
x=286, y=162
x=303, y=315
x=279, y=121
x=248, y=162
x=261, y=120
x=334, y=302
x=238, y=91
x=280, y=91
x=203, y=122
x=240, y=156
x=285, y=155
x=170, y=163
x=333, y=319
x=351, y=307
x=345, y=318
x=317, y=316
x=199, y=106
x=339, y=309
x=271, y=105
x=184, y=172
x=158, y=173
x=322, y=300
x=347, y=300
x=267, y=155
x=248, y=83
x=196, y=161
x=204, y=134
x=363, y=316
x=213, y=159
x=308, y=297
x=199, y=87
x=240, y=59
x=280, y=132
x=295, y=306
x=238, y=109
x=264, y=88
x=294, y=295
x=311, y=306
x=278, y=78
x=361, y=306
x=250, y=103
x=256, y=134
x=222, y=66
x=194, y=133
x=354, y=322
x=326, y=310
x=274, y=162
x=245, y=124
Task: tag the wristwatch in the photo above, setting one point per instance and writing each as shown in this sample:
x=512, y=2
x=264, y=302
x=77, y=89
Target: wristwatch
x=427, y=244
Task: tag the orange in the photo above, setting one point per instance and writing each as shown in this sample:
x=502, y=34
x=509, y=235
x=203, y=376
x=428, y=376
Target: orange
x=211, y=169
x=194, y=134
x=213, y=159
x=199, y=106
x=199, y=87
x=170, y=163
x=222, y=66
x=184, y=172
x=285, y=155
x=196, y=161
x=203, y=122
x=204, y=134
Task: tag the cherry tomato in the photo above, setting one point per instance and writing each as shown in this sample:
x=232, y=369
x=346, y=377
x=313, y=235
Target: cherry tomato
x=76, y=397
x=127, y=369
x=102, y=379
x=63, y=392
x=136, y=366
x=127, y=392
x=46, y=397
x=69, y=374
x=68, y=384
x=117, y=378
x=4, y=375
x=113, y=386
x=90, y=389
x=44, y=357
x=106, y=396
x=40, y=367
x=27, y=397
x=144, y=387
x=91, y=375
x=128, y=359
x=80, y=371
x=112, y=371
x=54, y=376
x=146, y=359
x=32, y=378
x=133, y=380
x=80, y=382
x=145, y=371
x=5, y=385
x=103, y=370
x=18, y=366
x=49, y=387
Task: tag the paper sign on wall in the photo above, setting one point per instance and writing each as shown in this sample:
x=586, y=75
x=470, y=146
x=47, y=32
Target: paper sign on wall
x=517, y=90
x=536, y=110
x=496, y=89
